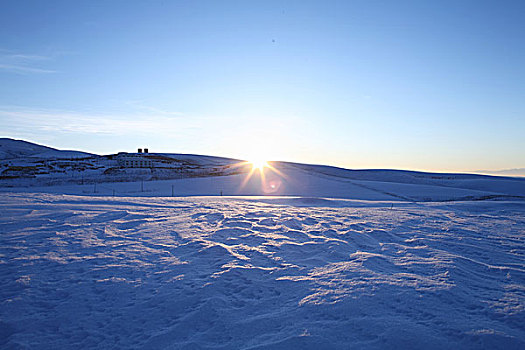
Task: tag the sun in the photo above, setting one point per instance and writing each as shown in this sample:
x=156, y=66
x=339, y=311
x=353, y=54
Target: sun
x=258, y=164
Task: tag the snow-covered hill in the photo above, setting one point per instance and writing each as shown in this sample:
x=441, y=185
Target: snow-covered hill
x=195, y=175
x=14, y=149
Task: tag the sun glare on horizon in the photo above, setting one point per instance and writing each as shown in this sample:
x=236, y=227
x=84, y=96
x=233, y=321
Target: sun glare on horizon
x=258, y=164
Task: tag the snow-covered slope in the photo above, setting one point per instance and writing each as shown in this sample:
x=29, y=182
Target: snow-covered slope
x=259, y=273
x=12, y=149
x=202, y=159
x=285, y=180
x=36, y=169
x=502, y=184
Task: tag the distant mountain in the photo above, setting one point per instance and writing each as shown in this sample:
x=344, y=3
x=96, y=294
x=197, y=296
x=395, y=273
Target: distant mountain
x=12, y=149
x=504, y=172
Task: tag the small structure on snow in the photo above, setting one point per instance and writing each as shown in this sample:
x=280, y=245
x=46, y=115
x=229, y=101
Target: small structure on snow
x=134, y=160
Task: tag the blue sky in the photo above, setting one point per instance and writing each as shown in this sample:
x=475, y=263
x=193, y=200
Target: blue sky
x=424, y=85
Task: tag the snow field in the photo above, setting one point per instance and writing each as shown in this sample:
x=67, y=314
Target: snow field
x=289, y=181
x=259, y=273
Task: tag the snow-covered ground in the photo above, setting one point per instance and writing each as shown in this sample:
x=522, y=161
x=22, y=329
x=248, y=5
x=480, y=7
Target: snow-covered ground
x=29, y=167
x=285, y=179
x=199, y=252
x=91, y=272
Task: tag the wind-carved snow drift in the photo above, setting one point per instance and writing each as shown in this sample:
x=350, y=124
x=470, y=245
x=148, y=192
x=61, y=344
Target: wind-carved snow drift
x=260, y=273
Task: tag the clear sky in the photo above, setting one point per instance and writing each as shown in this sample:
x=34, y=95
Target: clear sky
x=424, y=85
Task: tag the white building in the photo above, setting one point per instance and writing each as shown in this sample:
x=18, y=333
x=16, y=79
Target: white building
x=130, y=160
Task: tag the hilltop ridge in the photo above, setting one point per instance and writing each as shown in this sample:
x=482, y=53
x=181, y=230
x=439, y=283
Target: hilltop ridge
x=13, y=149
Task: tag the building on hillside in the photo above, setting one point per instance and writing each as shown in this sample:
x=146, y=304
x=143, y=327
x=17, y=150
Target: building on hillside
x=133, y=160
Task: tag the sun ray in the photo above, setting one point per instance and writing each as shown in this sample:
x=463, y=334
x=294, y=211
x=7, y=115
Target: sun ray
x=266, y=172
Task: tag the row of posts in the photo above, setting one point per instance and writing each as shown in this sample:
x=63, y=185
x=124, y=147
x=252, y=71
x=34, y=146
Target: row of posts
x=141, y=189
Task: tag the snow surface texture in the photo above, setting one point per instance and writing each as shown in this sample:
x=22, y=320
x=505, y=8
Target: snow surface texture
x=97, y=255
x=259, y=273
